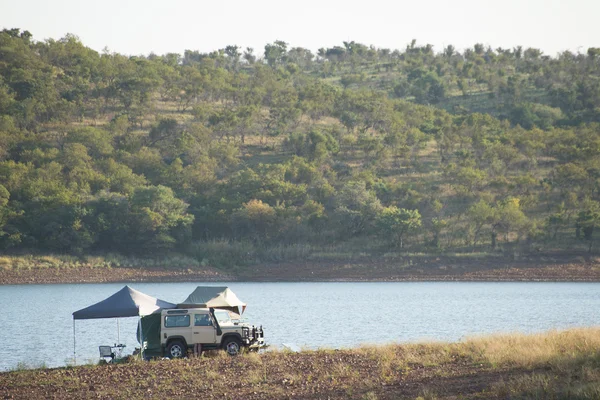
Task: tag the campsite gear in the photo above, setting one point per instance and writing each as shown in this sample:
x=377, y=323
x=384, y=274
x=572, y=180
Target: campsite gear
x=220, y=297
x=127, y=302
x=113, y=352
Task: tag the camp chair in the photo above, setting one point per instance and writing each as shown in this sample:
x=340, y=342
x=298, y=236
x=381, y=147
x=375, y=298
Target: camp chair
x=106, y=352
x=114, y=352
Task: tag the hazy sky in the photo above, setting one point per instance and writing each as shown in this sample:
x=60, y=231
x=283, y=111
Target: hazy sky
x=160, y=26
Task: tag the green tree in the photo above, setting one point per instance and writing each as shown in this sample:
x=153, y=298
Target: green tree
x=510, y=218
x=480, y=215
x=9, y=236
x=396, y=223
x=356, y=208
x=276, y=52
x=588, y=219
x=255, y=220
x=158, y=220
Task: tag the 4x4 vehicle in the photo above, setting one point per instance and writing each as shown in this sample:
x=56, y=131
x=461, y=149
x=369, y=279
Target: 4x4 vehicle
x=182, y=329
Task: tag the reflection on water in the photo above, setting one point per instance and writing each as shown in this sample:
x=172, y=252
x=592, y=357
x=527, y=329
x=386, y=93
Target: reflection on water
x=37, y=328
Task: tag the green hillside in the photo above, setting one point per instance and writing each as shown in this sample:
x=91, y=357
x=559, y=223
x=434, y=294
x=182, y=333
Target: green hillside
x=235, y=157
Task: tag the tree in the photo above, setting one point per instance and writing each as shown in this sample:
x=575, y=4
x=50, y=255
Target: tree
x=510, y=218
x=437, y=226
x=9, y=236
x=588, y=219
x=316, y=145
x=276, y=53
x=233, y=53
x=189, y=87
x=158, y=220
x=283, y=113
x=249, y=55
x=396, y=223
x=559, y=219
x=356, y=208
x=301, y=57
x=254, y=219
x=165, y=130
x=481, y=214
x=317, y=99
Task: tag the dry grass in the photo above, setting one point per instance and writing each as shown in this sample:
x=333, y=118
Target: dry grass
x=553, y=365
x=544, y=349
x=53, y=261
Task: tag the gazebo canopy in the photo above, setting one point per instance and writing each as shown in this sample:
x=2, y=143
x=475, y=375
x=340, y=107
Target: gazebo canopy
x=127, y=302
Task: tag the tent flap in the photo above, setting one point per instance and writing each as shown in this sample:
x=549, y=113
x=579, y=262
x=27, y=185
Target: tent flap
x=127, y=302
x=150, y=325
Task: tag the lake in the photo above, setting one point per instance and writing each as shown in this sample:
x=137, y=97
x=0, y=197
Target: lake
x=37, y=326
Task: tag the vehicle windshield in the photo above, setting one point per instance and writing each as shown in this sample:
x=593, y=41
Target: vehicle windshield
x=223, y=316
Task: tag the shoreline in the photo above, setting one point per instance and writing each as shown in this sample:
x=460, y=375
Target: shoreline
x=431, y=269
x=553, y=364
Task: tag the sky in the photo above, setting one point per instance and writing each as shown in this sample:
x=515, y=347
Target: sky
x=137, y=27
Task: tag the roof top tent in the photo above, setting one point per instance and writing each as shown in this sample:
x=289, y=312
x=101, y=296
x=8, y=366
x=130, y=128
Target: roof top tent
x=127, y=302
x=214, y=297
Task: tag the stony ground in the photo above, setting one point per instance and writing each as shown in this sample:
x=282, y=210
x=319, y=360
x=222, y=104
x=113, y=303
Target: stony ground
x=106, y=275
x=557, y=268
x=560, y=365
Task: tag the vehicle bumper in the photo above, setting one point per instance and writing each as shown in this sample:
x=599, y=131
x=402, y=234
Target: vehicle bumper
x=254, y=338
x=257, y=344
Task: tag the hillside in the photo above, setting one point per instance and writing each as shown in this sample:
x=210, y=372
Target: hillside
x=232, y=159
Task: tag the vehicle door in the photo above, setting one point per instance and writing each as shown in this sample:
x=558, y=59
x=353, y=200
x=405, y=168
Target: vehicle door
x=203, y=329
x=177, y=325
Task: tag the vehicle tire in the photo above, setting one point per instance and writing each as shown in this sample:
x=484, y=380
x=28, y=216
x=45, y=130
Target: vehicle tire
x=232, y=346
x=176, y=349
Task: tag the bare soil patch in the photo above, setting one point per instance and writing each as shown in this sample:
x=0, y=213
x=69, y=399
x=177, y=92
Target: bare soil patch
x=312, y=375
x=543, y=268
x=558, y=268
x=107, y=275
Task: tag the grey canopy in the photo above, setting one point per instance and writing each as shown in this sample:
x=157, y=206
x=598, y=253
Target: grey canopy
x=127, y=302
x=214, y=296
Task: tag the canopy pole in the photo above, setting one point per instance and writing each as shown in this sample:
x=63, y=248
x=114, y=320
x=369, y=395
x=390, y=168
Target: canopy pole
x=74, y=352
x=118, y=332
x=141, y=339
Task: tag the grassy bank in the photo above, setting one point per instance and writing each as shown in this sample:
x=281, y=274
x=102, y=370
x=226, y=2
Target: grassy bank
x=298, y=263
x=107, y=261
x=52, y=268
x=554, y=365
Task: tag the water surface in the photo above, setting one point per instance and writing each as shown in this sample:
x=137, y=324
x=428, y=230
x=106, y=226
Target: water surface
x=37, y=327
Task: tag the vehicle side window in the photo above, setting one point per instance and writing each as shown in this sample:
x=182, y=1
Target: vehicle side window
x=177, y=321
x=222, y=317
x=202, y=320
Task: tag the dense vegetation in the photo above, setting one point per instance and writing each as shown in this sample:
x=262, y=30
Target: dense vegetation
x=227, y=153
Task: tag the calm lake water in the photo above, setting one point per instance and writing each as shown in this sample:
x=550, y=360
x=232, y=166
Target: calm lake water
x=37, y=326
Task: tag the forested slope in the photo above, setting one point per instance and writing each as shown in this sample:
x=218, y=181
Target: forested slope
x=233, y=158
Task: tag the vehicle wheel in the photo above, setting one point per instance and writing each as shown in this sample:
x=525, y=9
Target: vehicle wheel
x=176, y=349
x=232, y=346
